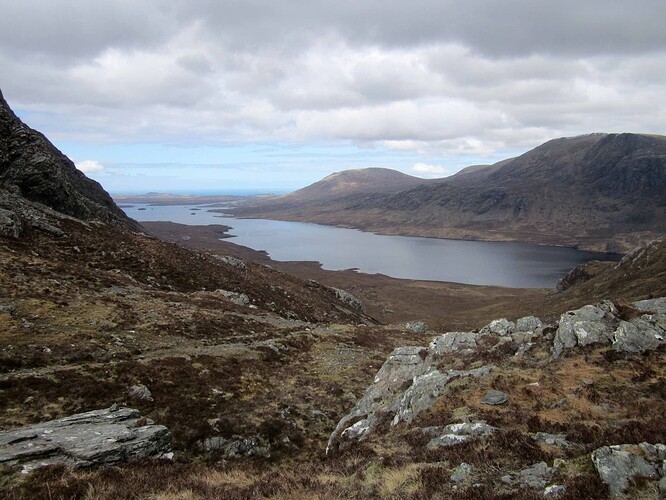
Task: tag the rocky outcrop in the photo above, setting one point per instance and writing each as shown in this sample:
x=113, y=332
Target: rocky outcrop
x=32, y=167
x=95, y=438
x=602, y=324
x=350, y=300
x=619, y=464
x=234, y=448
x=453, y=434
x=408, y=383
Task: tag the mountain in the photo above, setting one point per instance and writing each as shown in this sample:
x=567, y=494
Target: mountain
x=345, y=185
x=33, y=168
x=248, y=371
x=600, y=191
x=358, y=181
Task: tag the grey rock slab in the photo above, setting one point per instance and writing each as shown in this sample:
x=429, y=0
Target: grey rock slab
x=554, y=490
x=529, y=324
x=240, y=299
x=657, y=306
x=453, y=342
x=453, y=434
x=638, y=335
x=495, y=398
x=462, y=472
x=536, y=476
x=90, y=439
x=618, y=464
x=406, y=385
x=349, y=299
x=580, y=327
x=232, y=261
x=416, y=327
x=558, y=440
x=501, y=326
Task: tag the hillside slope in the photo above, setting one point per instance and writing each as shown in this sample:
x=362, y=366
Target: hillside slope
x=33, y=168
x=601, y=191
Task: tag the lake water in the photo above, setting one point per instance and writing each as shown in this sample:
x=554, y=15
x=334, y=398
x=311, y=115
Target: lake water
x=519, y=265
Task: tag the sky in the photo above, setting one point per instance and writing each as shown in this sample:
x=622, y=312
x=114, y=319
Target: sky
x=272, y=95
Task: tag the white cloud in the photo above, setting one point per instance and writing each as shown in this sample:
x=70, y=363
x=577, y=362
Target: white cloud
x=89, y=166
x=430, y=78
x=428, y=170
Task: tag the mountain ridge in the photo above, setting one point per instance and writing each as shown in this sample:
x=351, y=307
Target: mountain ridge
x=598, y=191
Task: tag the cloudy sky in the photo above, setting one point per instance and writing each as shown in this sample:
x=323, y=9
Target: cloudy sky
x=192, y=95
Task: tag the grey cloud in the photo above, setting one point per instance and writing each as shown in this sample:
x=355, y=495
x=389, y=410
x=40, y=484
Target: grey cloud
x=433, y=75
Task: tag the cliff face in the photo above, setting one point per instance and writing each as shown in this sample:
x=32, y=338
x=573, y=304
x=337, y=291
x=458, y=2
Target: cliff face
x=32, y=167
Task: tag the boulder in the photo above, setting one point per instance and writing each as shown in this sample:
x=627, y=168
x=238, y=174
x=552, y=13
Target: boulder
x=407, y=384
x=91, y=439
x=236, y=448
x=637, y=335
x=416, y=327
x=558, y=440
x=453, y=342
x=462, y=473
x=529, y=324
x=140, y=391
x=618, y=464
x=587, y=325
x=655, y=306
x=349, y=299
x=237, y=298
x=425, y=389
x=500, y=326
x=495, y=398
x=536, y=476
x=232, y=261
x=453, y=434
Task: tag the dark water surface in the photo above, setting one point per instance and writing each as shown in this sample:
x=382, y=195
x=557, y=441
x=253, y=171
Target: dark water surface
x=519, y=265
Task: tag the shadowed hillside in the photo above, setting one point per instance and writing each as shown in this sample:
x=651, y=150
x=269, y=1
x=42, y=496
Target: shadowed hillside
x=602, y=192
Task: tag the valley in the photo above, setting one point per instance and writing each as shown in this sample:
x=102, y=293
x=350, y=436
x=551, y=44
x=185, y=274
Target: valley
x=263, y=379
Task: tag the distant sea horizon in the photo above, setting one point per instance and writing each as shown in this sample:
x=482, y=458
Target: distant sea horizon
x=205, y=192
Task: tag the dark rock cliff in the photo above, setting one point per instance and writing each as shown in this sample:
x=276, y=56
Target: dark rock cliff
x=32, y=167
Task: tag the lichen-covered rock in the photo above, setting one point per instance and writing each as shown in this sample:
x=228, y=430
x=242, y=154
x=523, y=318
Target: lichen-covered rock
x=407, y=384
x=95, y=438
x=600, y=324
x=240, y=299
x=236, y=448
x=425, y=389
x=416, y=327
x=656, y=306
x=232, y=261
x=453, y=342
x=453, y=434
x=500, y=326
x=529, y=324
x=462, y=473
x=558, y=440
x=637, y=335
x=587, y=325
x=495, y=398
x=618, y=464
x=349, y=299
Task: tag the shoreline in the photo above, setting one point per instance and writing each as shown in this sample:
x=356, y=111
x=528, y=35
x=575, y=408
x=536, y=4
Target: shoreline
x=442, y=305
x=617, y=246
